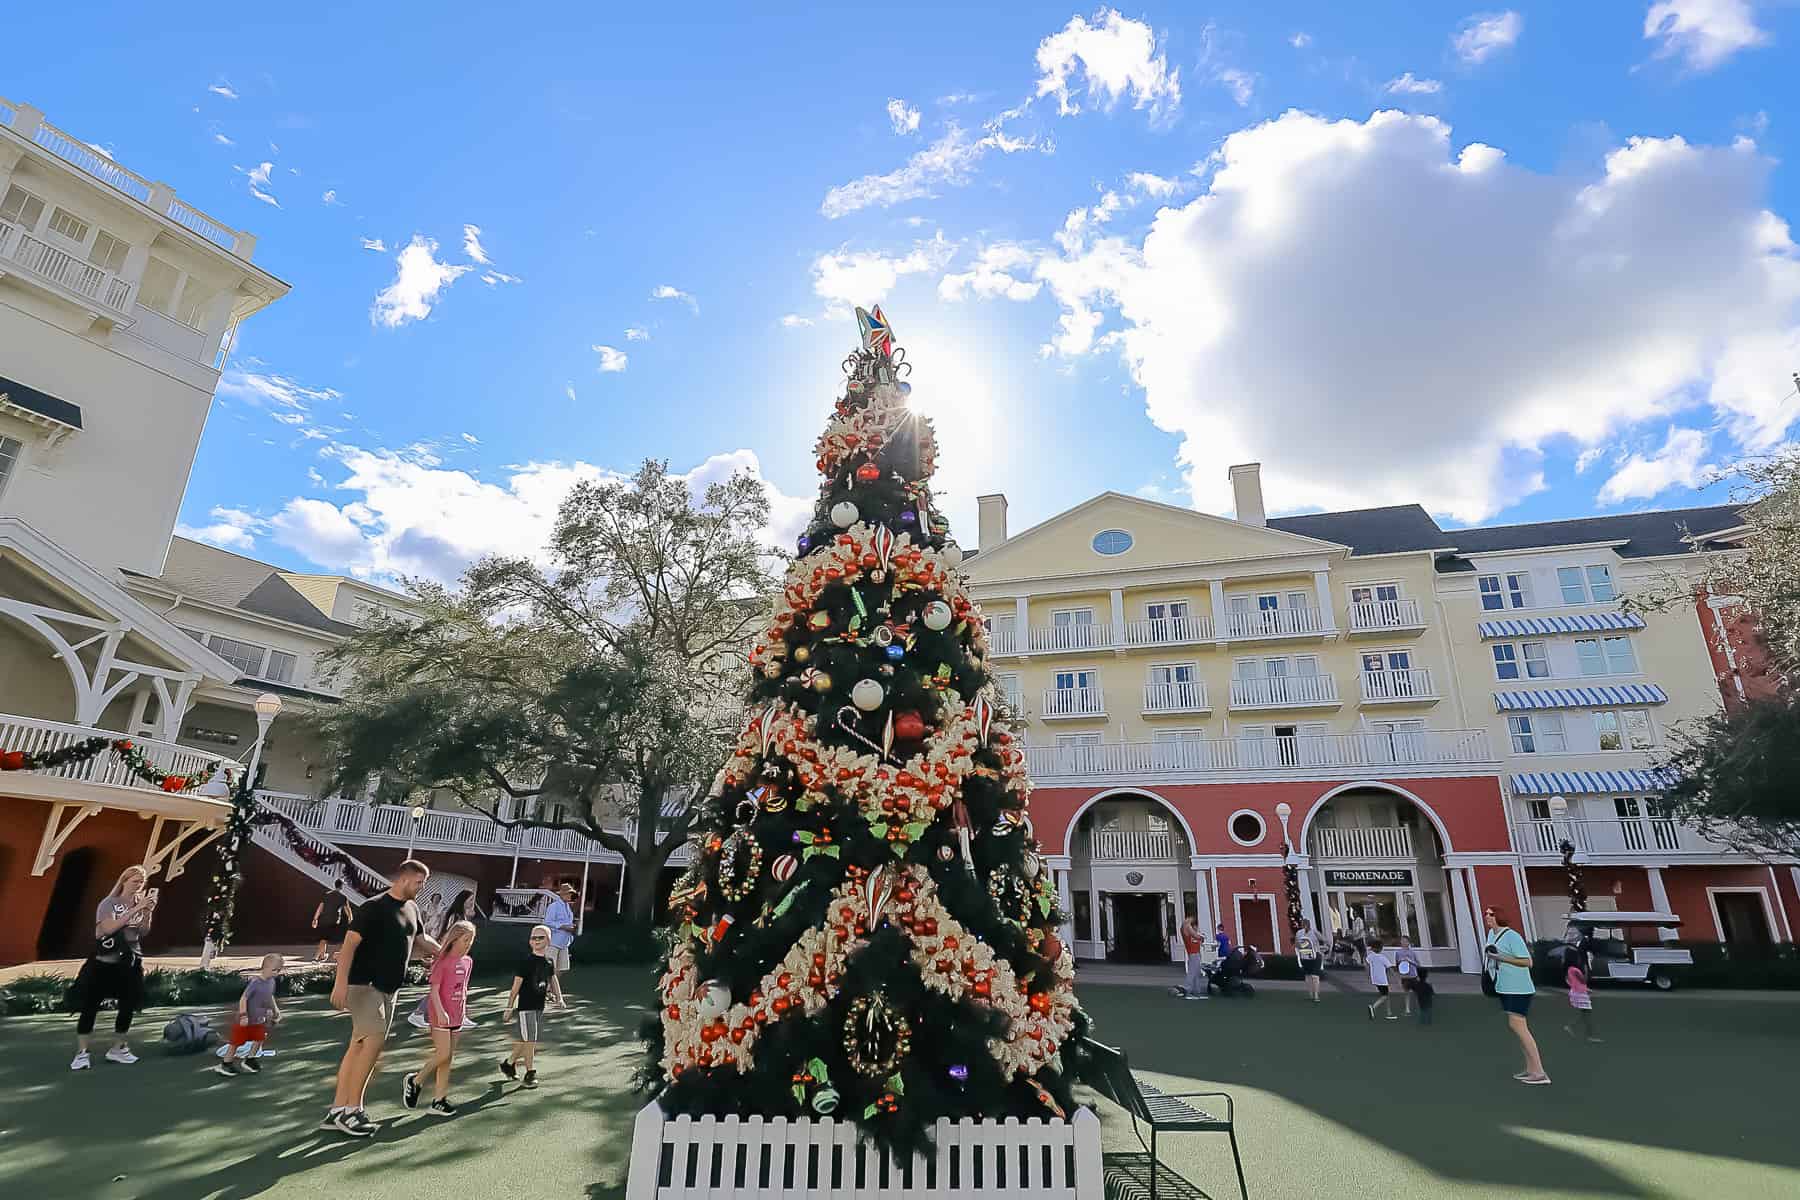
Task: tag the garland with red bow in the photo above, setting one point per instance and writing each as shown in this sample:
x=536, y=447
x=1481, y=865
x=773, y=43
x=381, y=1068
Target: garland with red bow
x=320, y=854
x=135, y=760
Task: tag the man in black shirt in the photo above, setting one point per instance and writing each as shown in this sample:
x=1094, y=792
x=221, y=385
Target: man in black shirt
x=371, y=968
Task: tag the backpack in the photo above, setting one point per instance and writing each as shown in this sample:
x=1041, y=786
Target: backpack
x=189, y=1033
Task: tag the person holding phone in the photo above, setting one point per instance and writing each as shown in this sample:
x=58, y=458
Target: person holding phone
x=1509, y=965
x=115, y=968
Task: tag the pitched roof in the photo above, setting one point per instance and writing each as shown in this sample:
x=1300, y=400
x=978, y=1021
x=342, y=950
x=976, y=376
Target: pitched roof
x=232, y=581
x=1645, y=534
x=1396, y=528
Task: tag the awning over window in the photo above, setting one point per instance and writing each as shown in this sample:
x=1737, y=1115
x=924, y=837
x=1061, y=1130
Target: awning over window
x=1583, y=697
x=1585, y=783
x=1544, y=626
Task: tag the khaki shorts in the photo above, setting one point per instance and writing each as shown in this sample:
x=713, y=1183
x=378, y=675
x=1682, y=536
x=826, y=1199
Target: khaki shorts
x=371, y=1011
x=559, y=957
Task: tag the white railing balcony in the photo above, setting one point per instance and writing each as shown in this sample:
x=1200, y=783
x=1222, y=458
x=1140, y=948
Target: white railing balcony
x=1412, y=685
x=1134, y=845
x=352, y=821
x=1187, y=697
x=1273, y=623
x=1074, y=702
x=1004, y=640
x=1343, y=755
x=1384, y=616
x=67, y=272
x=1380, y=841
x=1166, y=631
x=1611, y=835
x=1052, y=638
x=1285, y=691
x=36, y=736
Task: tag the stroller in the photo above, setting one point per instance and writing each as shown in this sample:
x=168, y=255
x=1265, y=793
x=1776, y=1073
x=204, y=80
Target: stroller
x=1231, y=974
x=1343, y=952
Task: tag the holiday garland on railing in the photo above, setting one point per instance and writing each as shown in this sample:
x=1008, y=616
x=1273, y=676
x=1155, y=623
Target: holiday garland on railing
x=319, y=853
x=221, y=892
x=1577, y=892
x=1290, y=875
x=135, y=760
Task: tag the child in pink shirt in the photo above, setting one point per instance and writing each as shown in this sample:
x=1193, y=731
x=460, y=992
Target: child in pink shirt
x=1581, y=1000
x=447, y=1000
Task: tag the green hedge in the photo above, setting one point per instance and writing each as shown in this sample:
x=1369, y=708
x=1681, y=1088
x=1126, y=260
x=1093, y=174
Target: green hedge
x=1280, y=966
x=1716, y=965
x=618, y=942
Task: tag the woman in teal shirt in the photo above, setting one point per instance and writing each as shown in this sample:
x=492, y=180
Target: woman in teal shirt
x=1509, y=962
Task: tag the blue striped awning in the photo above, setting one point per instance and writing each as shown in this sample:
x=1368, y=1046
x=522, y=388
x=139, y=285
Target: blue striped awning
x=1542, y=626
x=1582, y=783
x=1581, y=697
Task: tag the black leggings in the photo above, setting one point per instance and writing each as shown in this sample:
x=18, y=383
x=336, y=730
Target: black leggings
x=99, y=981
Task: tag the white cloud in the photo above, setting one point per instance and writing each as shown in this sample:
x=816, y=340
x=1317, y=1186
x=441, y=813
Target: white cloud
x=1300, y=41
x=1409, y=85
x=1152, y=185
x=637, y=334
x=222, y=140
x=995, y=272
x=1703, y=33
x=491, y=278
x=1241, y=84
x=313, y=477
x=1485, y=34
x=1115, y=57
x=374, y=244
x=330, y=198
x=611, y=360
x=411, y=516
x=864, y=277
x=948, y=161
x=1588, y=458
x=419, y=279
x=1353, y=278
x=1677, y=464
x=472, y=244
x=795, y=321
x=258, y=177
x=569, y=390
x=666, y=291
x=903, y=117
x=223, y=88
x=230, y=529
x=268, y=390
x=471, y=439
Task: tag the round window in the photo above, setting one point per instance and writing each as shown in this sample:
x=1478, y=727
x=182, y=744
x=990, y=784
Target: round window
x=1112, y=541
x=1247, y=827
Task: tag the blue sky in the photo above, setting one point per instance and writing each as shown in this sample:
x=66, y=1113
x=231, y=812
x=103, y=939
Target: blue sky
x=1511, y=263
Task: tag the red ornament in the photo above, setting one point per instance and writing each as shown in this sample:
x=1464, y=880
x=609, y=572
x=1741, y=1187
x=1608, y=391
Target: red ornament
x=12, y=760
x=909, y=726
x=1051, y=947
x=868, y=473
x=174, y=783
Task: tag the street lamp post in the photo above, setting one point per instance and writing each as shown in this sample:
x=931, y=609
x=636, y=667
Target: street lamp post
x=418, y=814
x=267, y=708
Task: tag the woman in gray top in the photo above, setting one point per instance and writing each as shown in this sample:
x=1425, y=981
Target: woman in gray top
x=115, y=969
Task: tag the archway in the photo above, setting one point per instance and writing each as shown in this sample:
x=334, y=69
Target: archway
x=1130, y=885
x=64, y=933
x=1377, y=875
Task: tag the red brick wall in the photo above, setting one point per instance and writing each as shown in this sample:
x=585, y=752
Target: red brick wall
x=116, y=840
x=1687, y=896
x=1740, y=658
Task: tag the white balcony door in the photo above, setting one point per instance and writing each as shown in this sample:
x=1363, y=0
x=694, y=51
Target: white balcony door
x=1401, y=741
x=1169, y=620
x=1178, y=749
x=1001, y=632
x=1077, y=681
x=1388, y=673
x=1078, y=753
x=1172, y=685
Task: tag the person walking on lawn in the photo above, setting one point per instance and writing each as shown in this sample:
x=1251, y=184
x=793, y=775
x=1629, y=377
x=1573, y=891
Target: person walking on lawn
x=1509, y=966
x=371, y=967
x=115, y=968
x=329, y=918
x=449, y=996
x=1310, y=957
x=560, y=917
x=1379, y=963
x=257, y=1011
x=534, y=980
x=1406, y=964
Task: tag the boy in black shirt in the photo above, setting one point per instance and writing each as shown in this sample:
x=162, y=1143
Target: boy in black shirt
x=535, y=979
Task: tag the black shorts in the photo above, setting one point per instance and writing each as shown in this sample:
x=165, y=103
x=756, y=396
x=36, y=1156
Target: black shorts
x=1382, y=988
x=1518, y=1004
x=1312, y=966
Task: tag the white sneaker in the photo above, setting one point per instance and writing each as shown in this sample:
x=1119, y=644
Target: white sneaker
x=80, y=1062
x=121, y=1054
x=417, y=1021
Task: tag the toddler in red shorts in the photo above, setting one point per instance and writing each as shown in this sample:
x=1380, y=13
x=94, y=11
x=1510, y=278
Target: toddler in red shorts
x=257, y=1011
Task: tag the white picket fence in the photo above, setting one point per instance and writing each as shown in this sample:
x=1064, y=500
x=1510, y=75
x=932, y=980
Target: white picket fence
x=733, y=1158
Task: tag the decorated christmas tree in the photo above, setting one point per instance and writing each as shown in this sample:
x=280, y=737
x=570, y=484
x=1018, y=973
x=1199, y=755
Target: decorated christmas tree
x=865, y=927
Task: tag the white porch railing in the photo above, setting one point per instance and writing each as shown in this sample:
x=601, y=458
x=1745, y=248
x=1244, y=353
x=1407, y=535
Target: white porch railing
x=1614, y=835
x=1381, y=841
x=353, y=821
x=36, y=736
x=1071, y=637
x=1284, y=691
x=1132, y=845
x=1376, y=615
x=64, y=269
x=1074, y=702
x=1187, y=697
x=1338, y=753
x=1273, y=623
x=1408, y=685
x=1166, y=631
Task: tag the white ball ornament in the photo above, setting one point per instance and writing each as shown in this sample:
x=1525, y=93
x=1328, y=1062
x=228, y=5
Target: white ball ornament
x=715, y=1000
x=937, y=615
x=844, y=514
x=867, y=695
x=952, y=554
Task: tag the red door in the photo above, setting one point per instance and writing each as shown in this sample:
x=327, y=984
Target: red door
x=1257, y=924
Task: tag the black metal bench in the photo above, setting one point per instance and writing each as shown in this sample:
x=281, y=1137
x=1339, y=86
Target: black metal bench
x=1107, y=1071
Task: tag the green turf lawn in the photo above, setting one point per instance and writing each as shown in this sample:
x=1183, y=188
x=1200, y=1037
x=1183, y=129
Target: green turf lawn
x=1692, y=1095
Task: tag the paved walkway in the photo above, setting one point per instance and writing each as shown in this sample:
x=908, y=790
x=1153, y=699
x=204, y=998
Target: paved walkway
x=241, y=958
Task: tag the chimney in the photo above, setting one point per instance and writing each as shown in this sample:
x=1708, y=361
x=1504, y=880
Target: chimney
x=1246, y=491
x=992, y=522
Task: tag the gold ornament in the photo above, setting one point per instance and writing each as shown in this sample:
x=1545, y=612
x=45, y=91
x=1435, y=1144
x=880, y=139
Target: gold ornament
x=821, y=682
x=802, y=654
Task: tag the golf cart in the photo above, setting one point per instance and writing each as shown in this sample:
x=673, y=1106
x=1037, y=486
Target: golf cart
x=1626, y=947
